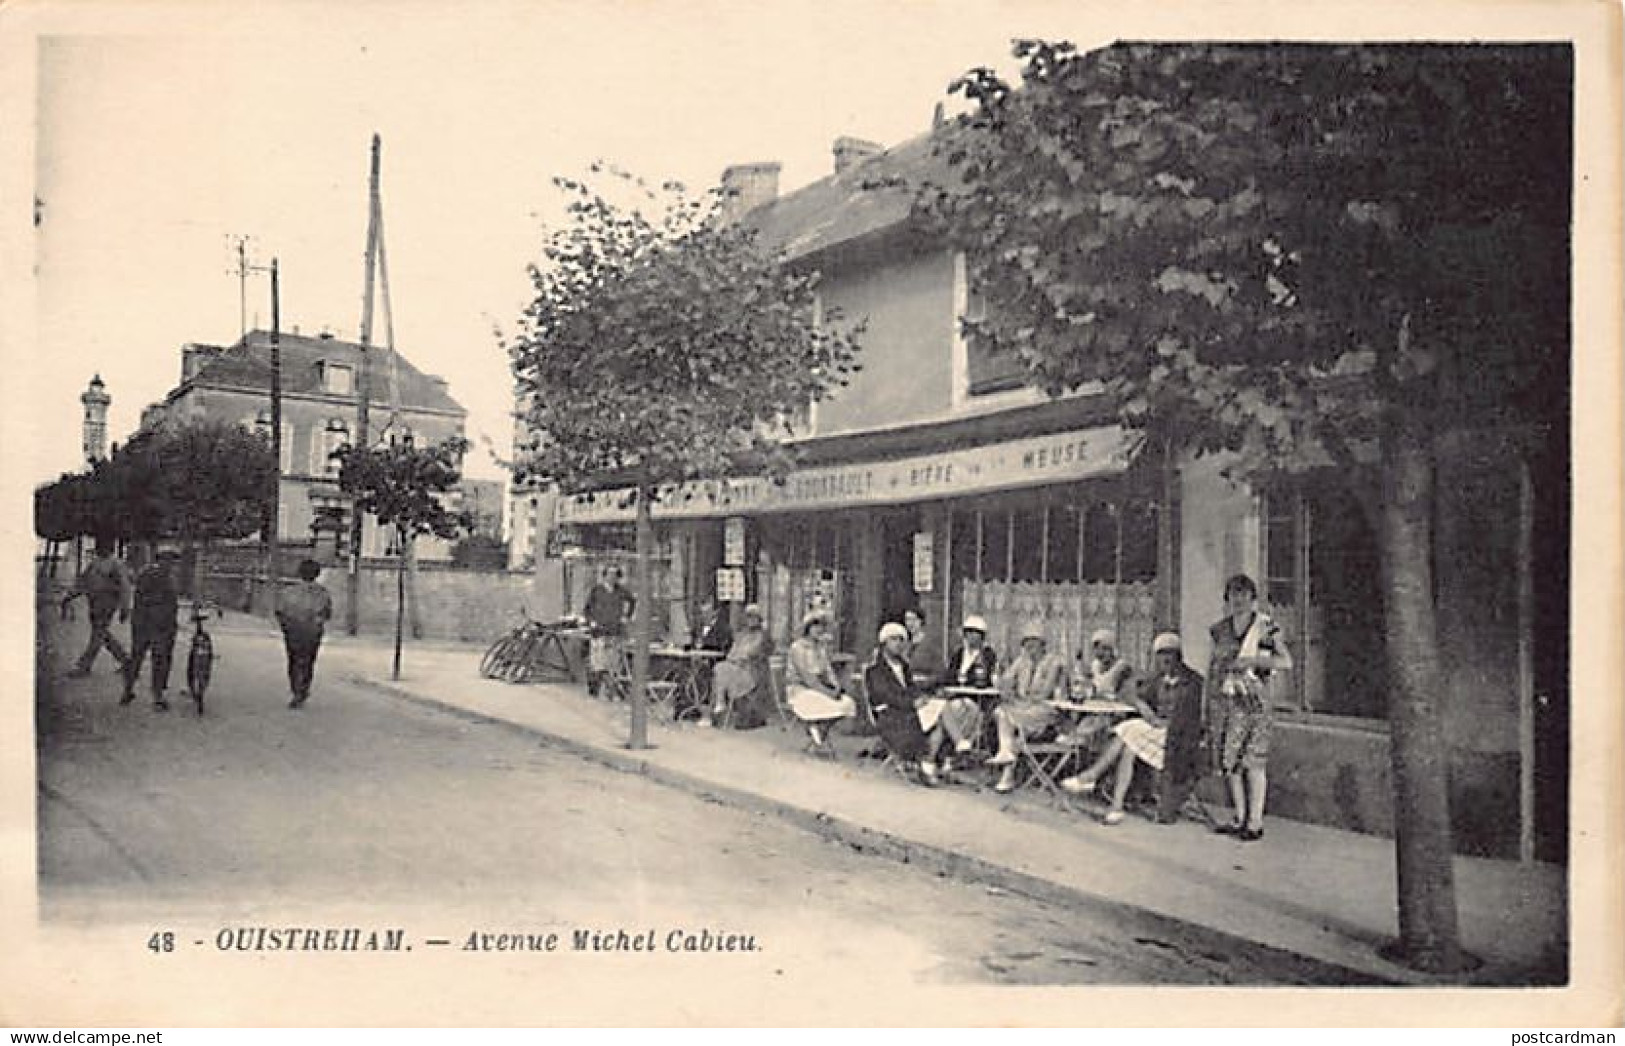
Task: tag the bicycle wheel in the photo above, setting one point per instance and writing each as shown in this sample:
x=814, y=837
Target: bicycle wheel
x=199, y=667
x=496, y=658
x=518, y=668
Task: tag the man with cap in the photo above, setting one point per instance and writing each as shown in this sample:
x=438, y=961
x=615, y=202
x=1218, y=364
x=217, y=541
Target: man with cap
x=153, y=625
x=1165, y=736
x=894, y=699
x=1035, y=678
x=105, y=584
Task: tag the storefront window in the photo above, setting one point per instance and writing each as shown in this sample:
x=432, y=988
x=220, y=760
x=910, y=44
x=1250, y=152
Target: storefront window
x=1061, y=562
x=1027, y=544
x=995, y=557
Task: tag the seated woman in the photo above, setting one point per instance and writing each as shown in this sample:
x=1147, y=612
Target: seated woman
x=1164, y=736
x=924, y=653
x=1033, y=679
x=739, y=683
x=1106, y=677
x=810, y=686
x=973, y=664
x=894, y=699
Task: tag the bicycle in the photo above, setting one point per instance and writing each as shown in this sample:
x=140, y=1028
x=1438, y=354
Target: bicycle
x=200, y=659
x=529, y=651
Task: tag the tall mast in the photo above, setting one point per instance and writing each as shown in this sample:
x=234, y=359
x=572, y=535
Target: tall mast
x=364, y=386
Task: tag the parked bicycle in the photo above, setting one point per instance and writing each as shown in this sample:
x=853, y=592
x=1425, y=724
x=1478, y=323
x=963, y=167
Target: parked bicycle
x=200, y=660
x=531, y=652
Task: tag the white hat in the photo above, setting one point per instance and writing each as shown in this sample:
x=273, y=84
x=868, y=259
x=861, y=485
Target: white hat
x=976, y=622
x=1033, y=630
x=892, y=630
x=1103, y=637
x=1165, y=641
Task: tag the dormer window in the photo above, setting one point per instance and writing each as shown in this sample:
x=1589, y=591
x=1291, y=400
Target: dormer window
x=337, y=378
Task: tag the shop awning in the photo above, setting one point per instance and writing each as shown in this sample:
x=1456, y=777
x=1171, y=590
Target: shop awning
x=1060, y=457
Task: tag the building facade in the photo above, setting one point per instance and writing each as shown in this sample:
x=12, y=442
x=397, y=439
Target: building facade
x=320, y=381
x=939, y=479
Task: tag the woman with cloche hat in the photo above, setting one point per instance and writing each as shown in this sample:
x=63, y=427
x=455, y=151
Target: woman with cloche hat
x=814, y=694
x=1035, y=678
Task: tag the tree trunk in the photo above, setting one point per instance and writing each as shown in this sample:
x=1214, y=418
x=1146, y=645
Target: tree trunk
x=414, y=618
x=1428, y=937
x=400, y=601
x=640, y=624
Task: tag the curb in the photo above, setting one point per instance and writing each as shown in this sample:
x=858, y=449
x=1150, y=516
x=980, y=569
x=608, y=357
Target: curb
x=938, y=860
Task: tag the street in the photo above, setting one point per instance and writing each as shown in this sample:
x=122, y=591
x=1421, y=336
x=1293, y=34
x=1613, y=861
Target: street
x=257, y=814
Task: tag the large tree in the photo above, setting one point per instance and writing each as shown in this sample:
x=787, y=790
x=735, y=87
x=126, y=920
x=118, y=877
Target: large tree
x=663, y=345
x=1300, y=255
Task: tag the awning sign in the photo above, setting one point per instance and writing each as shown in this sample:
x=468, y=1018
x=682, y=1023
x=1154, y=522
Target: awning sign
x=1059, y=458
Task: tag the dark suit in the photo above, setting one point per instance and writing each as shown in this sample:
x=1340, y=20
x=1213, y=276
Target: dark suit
x=1179, y=703
x=892, y=702
x=982, y=672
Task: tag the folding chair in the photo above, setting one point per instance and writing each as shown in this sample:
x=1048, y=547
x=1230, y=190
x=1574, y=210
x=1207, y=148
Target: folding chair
x=1046, y=762
x=662, y=693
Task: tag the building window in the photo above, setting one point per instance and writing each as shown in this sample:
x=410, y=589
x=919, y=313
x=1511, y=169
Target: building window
x=979, y=369
x=335, y=436
x=262, y=426
x=337, y=379
x=1322, y=583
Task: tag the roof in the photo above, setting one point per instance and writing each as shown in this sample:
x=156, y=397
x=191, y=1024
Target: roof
x=247, y=364
x=873, y=196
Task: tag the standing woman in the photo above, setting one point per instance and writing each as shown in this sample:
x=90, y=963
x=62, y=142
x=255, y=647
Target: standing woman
x=1247, y=647
x=810, y=686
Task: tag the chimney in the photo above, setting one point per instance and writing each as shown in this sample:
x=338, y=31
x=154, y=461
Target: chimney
x=747, y=186
x=849, y=152
x=195, y=357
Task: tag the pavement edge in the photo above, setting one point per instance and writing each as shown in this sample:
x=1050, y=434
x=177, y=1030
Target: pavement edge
x=938, y=860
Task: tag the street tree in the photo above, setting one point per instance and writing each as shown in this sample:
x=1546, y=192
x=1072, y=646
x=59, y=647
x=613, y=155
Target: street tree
x=406, y=486
x=206, y=479
x=1298, y=256
x=664, y=345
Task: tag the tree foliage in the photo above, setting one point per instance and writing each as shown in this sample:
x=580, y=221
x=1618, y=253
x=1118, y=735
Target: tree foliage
x=663, y=344
x=195, y=481
x=405, y=486
x=1274, y=249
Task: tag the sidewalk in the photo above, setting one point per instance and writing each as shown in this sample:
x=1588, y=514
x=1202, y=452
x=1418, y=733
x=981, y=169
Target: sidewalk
x=1313, y=891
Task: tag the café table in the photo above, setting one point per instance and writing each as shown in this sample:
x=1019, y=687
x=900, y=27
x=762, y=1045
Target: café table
x=985, y=697
x=688, y=669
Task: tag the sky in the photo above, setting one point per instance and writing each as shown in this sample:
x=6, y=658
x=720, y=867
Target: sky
x=159, y=141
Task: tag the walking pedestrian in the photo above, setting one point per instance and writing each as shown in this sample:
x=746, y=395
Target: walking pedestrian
x=153, y=626
x=303, y=612
x=105, y=584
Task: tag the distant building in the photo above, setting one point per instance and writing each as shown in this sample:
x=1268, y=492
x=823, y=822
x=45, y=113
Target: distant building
x=320, y=381
x=96, y=401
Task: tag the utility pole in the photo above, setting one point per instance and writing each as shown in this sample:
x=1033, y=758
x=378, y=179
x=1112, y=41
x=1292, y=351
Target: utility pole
x=241, y=269
x=363, y=388
x=272, y=568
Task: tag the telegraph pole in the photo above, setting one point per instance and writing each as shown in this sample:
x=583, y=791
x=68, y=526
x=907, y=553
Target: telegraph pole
x=272, y=567
x=363, y=439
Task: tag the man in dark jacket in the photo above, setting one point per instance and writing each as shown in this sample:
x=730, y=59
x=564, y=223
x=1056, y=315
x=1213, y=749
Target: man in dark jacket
x=152, y=627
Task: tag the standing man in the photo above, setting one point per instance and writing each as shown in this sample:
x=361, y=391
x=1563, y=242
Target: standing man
x=609, y=606
x=303, y=613
x=105, y=584
x=153, y=627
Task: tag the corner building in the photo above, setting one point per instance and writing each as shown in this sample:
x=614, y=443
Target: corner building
x=940, y=479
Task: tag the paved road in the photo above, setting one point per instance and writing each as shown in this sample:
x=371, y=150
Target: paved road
x=361, y=802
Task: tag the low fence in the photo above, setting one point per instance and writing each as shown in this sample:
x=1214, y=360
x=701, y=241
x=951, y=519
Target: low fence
x=453, y=603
